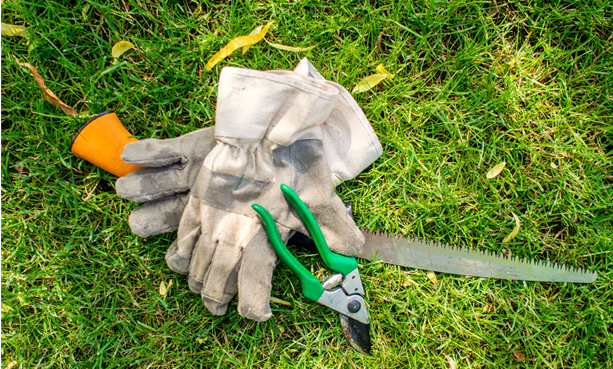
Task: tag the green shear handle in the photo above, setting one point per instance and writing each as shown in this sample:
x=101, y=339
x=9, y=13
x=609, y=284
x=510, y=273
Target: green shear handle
x=311, y=287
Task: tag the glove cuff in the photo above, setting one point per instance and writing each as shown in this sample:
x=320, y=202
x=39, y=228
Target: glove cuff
x=350, y=143
x=279, y=105
x=257, y=111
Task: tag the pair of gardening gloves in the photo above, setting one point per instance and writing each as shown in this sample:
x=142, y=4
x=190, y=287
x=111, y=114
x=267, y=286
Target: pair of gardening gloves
x=271, y=128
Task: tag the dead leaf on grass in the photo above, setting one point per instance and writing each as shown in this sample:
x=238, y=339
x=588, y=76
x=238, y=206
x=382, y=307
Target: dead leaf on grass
x=48, y=95
x=289, y=48
x=515, y=230
x=11, y=364
x=519, y=355
x=236, y=43
x=165, y=287
x=495, y=170
x=11, y=30
x=6, y=308
x=279, y=301
x=255, y=31
x=372, y=80
x=432, y=277
x=120, y=48
x=20, y=167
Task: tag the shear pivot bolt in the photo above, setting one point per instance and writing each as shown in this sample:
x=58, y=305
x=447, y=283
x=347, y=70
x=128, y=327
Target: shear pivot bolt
x=354, y=306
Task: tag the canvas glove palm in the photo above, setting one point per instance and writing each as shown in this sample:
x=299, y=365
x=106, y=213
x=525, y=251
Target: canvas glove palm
x=268, y=133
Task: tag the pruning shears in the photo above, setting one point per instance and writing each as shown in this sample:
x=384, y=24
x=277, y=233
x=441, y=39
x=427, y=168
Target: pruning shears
x=347, y=298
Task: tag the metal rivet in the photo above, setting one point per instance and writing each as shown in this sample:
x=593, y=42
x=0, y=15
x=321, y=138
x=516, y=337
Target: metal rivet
x=354, y=306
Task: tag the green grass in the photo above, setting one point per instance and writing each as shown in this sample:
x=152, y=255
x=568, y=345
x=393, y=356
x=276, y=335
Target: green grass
x=528, y=83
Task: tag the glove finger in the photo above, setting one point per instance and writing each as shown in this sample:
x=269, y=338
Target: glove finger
x=229, y=292
x=179, y=255
x=158, y=153
x=153, y=153
x=150, y=184
x=255, y=276
x=213, y=273
x=158, y=217
x=217, y=306
x=215, y=262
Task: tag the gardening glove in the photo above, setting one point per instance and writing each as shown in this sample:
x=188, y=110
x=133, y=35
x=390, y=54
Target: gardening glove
x=350, y=145
x=268, y=133
x=172, y=166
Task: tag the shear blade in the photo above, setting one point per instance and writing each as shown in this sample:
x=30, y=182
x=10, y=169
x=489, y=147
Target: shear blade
x=356, y=333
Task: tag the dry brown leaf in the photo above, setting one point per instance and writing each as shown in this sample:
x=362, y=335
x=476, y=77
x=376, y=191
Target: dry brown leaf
x=519, y=355
x=378, y=45
x=236, y=43
x=20, y=167
x=11, y=364
x=47, y=93
x=495, y=170
x=514, y=232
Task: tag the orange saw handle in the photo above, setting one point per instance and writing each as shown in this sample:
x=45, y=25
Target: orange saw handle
x=101, y=141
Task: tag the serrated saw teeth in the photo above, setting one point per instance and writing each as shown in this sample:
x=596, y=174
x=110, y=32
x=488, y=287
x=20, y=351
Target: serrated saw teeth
x=430, y=255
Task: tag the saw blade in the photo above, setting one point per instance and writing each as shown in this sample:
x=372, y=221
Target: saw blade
x=440, y=257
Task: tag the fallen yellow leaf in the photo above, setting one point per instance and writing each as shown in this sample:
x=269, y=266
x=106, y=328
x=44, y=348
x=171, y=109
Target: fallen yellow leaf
x=12, y=30
x=369, y=82
x=289, y=48
x=48, y=95
x=120, y=48
x=381, y=70
x=514, y=232
x=6, y=308
x=255, y=31
x=236, y=43
x=372, y=80
x=495, y=170
x=165, y=287
x=432, y=277
x=279, y=301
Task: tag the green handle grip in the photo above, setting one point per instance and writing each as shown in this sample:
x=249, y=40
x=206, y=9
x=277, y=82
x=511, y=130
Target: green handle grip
x=340, y=263
x=311, y=287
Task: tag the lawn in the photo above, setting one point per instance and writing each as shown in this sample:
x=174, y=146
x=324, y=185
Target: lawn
x=476, y=83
